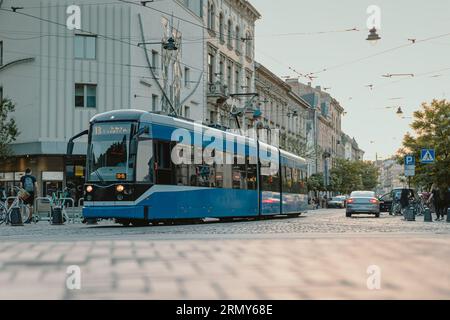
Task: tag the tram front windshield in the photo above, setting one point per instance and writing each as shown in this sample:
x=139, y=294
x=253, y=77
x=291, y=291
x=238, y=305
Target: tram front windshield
x=109, y=152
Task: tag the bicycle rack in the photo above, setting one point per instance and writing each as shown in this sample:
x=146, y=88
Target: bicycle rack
x=69, y=207
x=37, y=212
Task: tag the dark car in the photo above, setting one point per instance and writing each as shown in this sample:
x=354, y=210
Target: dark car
x=387, y=199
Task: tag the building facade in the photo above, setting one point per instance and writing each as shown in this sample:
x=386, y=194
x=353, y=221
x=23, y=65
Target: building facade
x=229, y=63
x=391, y=175
x=283, y=112
x=324, y=127
x=120, y=58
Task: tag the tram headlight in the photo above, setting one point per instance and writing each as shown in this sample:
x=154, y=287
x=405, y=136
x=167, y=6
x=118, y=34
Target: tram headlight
x=89, y=189
x=120, y=197
x=120, y=188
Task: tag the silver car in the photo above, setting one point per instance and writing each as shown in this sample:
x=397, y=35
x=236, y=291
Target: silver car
x=363, y=202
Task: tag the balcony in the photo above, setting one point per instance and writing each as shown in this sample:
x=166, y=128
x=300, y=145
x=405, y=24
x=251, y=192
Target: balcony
x=218, y=90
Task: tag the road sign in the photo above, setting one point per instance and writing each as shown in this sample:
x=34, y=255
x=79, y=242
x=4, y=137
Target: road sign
x=410, y=160
x=427, y=156
x=410, y=171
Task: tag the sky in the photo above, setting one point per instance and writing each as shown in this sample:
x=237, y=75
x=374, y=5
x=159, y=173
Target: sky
x=371, y=113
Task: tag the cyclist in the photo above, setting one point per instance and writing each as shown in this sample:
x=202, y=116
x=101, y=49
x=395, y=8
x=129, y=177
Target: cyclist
x=28, y=182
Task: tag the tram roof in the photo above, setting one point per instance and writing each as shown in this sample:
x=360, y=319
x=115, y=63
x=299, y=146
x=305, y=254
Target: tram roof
x=141, y=115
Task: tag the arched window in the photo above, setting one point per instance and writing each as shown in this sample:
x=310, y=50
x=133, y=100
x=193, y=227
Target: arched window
x=238, y=38
x=221, y=27
x=230, y=33
x=211, y=16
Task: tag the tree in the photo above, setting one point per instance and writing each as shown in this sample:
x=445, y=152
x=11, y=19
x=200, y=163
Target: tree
x=8, y=128
x=315, y=182
x=347, y=176
x=431, y=128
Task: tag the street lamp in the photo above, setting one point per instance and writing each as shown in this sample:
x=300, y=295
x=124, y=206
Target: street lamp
x=399, y=111
x=170, y=45
x=373, y=36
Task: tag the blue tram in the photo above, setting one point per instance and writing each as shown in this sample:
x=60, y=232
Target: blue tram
x=132, y=175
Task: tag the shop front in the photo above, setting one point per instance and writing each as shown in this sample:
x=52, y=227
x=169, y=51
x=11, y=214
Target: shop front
x=53, y=174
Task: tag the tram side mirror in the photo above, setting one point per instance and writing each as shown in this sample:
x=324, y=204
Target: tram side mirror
x=134, y=141
x=133, y=145
x=141, y=131
x=71, y=144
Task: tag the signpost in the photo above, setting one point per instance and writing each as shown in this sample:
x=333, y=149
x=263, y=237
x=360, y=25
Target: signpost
x=410, y=167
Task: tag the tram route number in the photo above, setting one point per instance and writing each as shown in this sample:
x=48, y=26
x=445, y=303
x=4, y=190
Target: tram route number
x=226, y=309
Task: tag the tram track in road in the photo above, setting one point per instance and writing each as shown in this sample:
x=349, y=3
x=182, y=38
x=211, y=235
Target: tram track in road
x=314, y=224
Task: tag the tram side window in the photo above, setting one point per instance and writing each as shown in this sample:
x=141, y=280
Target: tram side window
x=295, y=180
x=219, y=171
x=251, y=173
x=270, y=180
x=163, y=166
x=287, y=179
x=239, y=172
x=303, y=182
x=183, y=168
x=145, y=162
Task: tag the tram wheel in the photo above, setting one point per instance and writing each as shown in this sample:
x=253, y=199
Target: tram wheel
x=139, y=223
x=123, y=222
x=293, y=215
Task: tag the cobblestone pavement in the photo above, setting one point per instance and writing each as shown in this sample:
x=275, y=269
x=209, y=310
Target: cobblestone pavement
x=321, y=255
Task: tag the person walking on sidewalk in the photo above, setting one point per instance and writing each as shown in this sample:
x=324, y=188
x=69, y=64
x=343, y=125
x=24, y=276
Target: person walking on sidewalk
x=28, y=182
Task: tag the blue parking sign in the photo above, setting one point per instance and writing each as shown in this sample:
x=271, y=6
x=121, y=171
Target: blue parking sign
x=427, y=156
x=410, y=160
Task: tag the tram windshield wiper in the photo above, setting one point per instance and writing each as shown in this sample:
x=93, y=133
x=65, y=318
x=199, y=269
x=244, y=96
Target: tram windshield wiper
x=99, y=176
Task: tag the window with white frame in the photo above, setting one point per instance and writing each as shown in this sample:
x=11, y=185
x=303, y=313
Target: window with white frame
x=211, y=16
x=248, y=44
x=85, y=47
x=221, y=28
x=187, y=77
x=238, y=39
x=155, y=61
x=1, y=53
x=187, y=112
x=210, y=68
x=85, y=95
x=230, y=33
x=154, y=102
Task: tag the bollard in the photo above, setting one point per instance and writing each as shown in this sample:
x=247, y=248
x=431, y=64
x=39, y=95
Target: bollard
x=427, y=215
x=57, y=216
x=448, y=214
x=410, y=214
x=16, y=217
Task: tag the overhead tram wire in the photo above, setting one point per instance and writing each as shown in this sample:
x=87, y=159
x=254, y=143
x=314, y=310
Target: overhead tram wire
x=88, y=32
x=233, y=37
x=380, y=53
x=200, y=26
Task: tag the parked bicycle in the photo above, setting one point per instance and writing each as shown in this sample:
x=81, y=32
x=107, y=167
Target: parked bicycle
x=13, y=203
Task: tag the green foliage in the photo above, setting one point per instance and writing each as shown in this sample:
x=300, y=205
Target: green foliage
x=315, y=182
x=347, y=176
x=8, y=128
x=431, y=128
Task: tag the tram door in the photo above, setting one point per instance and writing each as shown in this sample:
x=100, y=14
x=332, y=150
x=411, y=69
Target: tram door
x=164, y=172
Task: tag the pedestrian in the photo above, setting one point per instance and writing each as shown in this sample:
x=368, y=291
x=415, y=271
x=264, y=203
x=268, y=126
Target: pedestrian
x=29, y=184
x=404, y=199
x=436, y=199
